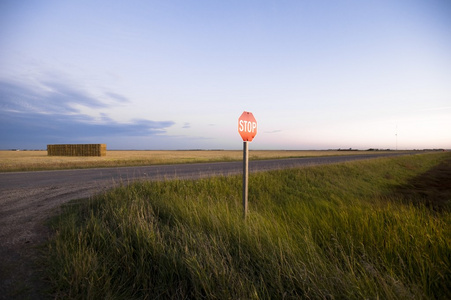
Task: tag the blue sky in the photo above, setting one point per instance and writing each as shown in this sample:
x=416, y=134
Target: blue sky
x=178, y=74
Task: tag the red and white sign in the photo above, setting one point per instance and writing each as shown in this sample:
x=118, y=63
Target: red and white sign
x=247, y=126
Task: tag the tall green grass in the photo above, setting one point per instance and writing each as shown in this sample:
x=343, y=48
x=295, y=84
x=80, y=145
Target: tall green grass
x=338, y=231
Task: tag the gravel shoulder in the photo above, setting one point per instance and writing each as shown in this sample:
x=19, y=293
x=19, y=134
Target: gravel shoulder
x=23, y=212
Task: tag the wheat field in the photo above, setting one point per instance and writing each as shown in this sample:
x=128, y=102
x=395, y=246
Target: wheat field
x=39, y=160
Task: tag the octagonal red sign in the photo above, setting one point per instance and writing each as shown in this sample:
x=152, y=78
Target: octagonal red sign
x=247, y=126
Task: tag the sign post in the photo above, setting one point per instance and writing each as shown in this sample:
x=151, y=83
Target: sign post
x=245, y=176
x=247, y=128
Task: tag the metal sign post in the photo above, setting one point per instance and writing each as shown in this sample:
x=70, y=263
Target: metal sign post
x=245, y=176
x=247, y=128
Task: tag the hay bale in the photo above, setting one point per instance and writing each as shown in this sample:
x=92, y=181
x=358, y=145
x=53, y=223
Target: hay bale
x=76, y=150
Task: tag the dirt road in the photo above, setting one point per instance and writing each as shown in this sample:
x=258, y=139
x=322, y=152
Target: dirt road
x=27, y=199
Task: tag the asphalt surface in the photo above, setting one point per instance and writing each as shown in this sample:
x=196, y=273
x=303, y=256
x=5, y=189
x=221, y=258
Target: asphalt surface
x=182, y=171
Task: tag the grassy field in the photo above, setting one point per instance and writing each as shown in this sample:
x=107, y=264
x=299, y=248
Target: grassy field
x=38, y=160
x=360, y=230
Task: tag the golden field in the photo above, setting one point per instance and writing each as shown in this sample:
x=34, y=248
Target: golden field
x=38, y=160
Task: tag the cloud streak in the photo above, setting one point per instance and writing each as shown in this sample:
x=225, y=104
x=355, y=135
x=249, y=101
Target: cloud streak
x=117, y=97
x=41, y=116
x=50, y=98
x=274, y=131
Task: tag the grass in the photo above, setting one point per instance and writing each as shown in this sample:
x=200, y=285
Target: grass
x=38, y=160
x=345, y=231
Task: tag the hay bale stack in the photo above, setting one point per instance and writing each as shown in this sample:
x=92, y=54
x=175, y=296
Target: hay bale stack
x=76, y=150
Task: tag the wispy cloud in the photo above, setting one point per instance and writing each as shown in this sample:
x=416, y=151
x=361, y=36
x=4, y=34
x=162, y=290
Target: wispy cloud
x=55, y=98
x=186, y=125
x=44, y=116
x=117, y=97
x=274, y=131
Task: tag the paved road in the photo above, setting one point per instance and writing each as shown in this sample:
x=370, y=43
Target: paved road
x=127, y=174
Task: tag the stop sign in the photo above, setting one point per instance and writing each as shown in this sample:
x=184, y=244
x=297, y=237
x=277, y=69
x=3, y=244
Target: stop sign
x=247, y=126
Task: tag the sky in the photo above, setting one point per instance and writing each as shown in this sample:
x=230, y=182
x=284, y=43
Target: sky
x=172, y=75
